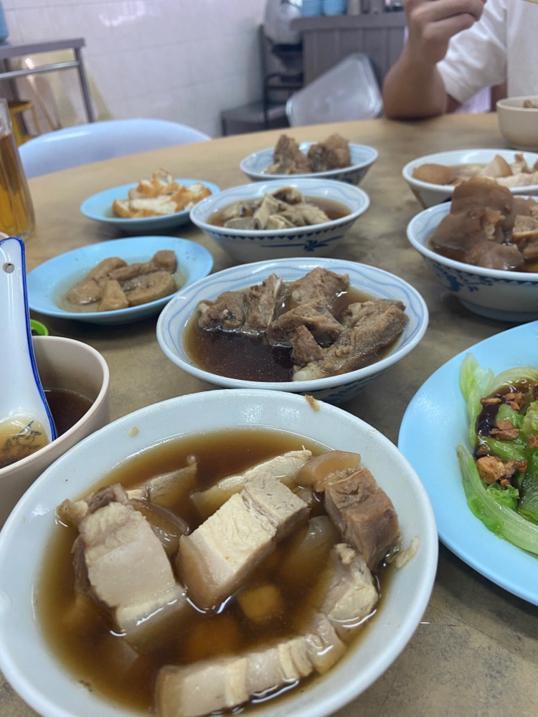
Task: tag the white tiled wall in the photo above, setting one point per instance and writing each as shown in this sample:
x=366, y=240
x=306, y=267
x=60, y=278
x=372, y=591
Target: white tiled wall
x=175, y=59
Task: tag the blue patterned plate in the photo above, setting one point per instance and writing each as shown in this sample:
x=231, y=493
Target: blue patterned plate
x=335, y=389
x=494, y=293
x=256, y=244
x=362, y=157
x=434, y=424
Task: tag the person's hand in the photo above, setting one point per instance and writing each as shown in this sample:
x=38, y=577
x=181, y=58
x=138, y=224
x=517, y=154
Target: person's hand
x=432, y=23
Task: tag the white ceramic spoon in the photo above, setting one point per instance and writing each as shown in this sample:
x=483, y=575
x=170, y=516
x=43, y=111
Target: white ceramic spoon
x=26, y=423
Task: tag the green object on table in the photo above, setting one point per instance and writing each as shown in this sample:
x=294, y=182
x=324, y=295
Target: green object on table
x=38, y=329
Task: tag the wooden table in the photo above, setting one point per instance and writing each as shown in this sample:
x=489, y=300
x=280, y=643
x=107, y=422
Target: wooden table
x=476, y=651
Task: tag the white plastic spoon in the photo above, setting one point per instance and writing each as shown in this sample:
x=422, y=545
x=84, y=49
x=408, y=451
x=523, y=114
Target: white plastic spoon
x=26, y=423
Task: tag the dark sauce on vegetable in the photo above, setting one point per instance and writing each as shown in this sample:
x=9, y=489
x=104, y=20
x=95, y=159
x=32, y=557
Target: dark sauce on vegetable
x=251, y=358
x=80, y=635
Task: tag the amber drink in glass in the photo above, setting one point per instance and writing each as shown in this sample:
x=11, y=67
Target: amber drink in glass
x=16, y=210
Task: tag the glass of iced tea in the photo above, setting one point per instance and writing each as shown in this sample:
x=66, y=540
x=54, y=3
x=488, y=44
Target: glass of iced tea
x=16, y=210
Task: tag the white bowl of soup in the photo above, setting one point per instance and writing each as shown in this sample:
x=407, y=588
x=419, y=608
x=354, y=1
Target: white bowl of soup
x=220, y=433
x=75, y=377
x=518, y=121
x=299, y=217
x=239, y=357
x=439, y=173
x=494, y=293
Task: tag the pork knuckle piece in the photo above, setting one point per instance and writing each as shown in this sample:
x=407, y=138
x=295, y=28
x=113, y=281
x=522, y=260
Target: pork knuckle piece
x=314, y=315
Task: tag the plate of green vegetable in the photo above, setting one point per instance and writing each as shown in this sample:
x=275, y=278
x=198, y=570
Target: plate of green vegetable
x=471, y=433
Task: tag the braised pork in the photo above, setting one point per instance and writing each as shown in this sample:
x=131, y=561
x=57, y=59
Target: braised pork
x=124, y=565
x=377, y=325
x=249, y=311
x=343, y=597
x=488, y=226
x=364, y=514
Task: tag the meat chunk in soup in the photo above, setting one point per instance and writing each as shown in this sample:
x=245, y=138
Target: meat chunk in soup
x=314, y=315
x=364, y=514
x=288, y=158
x=333, y=153
x=377, y=325
x=126, y=567
x=216, y=558
x=318, y=285
x=249, y=311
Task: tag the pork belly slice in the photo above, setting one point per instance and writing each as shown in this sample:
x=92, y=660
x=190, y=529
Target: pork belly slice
x=126, y=566
x=360, y=344
x=283, y=468
x=216, y=558
x=227, y=682
x=249, y=311
x=364, y=514
x=347, y=595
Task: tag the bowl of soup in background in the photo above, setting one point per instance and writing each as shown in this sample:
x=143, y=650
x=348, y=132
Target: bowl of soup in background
x=259, y=244
x=52, y=690
x=69, y=369
x=519, y=124
x=376, y=283
x=429, y=194
x=255, y=165
x=494, y=293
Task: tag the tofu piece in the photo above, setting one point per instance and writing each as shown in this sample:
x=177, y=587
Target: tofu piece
x=216, y=558
x=127, y=568
x=283, y=468
x=261, y=604
x=113, y=297
x=364, y=514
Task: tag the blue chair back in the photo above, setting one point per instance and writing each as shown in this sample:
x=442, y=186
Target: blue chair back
x=95, y=141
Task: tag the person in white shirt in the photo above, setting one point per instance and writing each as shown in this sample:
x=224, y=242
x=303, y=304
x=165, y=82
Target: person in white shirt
x=457, y=47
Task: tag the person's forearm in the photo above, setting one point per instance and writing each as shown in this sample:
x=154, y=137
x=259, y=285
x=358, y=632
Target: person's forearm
x=414, y=89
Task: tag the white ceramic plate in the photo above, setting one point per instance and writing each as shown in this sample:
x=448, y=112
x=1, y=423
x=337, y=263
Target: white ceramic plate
x=38, y=676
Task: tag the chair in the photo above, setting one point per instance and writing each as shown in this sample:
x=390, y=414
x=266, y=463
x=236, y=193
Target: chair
x=348, y=91
x=95, y=141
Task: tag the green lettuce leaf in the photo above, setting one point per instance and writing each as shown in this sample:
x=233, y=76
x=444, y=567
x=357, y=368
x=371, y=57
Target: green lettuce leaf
x=498, y=517
x=530, y=420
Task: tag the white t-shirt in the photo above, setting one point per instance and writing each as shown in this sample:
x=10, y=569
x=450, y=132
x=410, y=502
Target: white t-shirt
x=501, y=46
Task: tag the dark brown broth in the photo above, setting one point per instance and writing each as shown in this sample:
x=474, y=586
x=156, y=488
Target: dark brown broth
x=80, y=636
x=334, y=210
x=67, y=407
x=250, y=358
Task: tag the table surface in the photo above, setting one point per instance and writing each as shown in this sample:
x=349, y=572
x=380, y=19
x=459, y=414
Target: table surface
x=476, y=649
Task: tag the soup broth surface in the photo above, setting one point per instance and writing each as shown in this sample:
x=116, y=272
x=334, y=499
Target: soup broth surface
x=80, y=634
x=251, y=358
